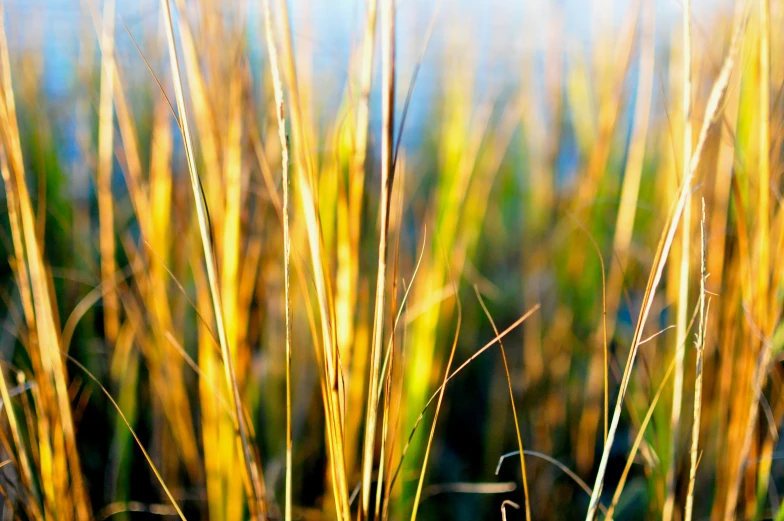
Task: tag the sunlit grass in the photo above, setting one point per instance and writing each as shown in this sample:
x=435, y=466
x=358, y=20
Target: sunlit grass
x=274, y=310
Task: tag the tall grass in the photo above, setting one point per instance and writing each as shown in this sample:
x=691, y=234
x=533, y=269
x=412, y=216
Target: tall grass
x=282, y=301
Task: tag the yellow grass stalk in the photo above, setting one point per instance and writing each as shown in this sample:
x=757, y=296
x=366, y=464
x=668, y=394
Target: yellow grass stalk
x=512, y=402
x=720, y=202
x=387, y=179
x=277, y=85
x=19, y=265
x=230, y=249
x=761, y=365
x=104, y=176
x=9, y=118
x=683, y=293
x=211, y=418
x=151, y=203
x=695, y=431
x=160, y=190
x=131, y=148
x=67, y=489
x=348, y=256
x=164, y=367
x=252, y=471
x=332, y=384
x=764, y=186
x=204, y=118
x=387, y=448
x=712, y=111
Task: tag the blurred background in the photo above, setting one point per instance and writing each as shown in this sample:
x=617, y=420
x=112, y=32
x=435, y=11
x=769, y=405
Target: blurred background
x=542, y=150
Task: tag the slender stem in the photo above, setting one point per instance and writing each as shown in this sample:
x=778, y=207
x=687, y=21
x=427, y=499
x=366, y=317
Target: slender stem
x=254, y=480
x=104, y=174
x=712, y=110
x=387, y=179
x=526, y=496
x=683, y=294
x=695, y=429
x=763, y=273
x=284, y=152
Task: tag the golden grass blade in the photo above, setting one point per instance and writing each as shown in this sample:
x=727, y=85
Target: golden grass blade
x=695, y=430
x=21, y=276
x=383, y=373
x=514, y=407
x=15, y=433
x=683, y=284
x=333, y=385
x=19, y=265
x=363, y=113
x=255, y=494
x=711, y=113
x=758, y=379
x=387, y=180
x=131, y=146
x=56, y=396
x=348, y=265
x=635, y=159
x=277, y=85
x=228, y=243
x=387, y=448
x=104, y=181
x=71, y=494
x=761, y=254
x=123, y=113
x=764, y=183
x=205, y=117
